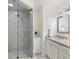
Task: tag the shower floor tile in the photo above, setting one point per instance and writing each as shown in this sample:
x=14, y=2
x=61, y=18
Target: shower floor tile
x=13, y=55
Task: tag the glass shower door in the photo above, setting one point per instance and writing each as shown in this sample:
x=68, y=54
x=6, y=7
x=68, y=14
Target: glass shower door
x=25, y=30
x=20, y=41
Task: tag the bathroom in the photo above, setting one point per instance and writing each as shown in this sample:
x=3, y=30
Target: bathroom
x=36, y=25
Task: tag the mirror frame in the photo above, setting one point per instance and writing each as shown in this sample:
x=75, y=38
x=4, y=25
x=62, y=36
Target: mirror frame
x=58, y=18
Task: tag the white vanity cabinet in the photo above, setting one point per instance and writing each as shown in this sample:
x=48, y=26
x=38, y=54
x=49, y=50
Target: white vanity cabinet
x=64, y=52
x=52, y=51
x=57, y=51
x=63, y=55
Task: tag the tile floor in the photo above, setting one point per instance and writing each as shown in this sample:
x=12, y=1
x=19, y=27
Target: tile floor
x=39, y=57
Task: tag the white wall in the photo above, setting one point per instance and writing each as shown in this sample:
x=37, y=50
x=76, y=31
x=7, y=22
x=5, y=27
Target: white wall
x=38, y=20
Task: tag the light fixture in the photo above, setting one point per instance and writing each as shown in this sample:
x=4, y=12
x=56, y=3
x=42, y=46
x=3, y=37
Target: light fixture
x=10, y=4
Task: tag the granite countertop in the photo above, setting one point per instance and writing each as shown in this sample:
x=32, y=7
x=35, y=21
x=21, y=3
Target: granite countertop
x=64, y=42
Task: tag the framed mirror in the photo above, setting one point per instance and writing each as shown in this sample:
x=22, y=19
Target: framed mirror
x=63, y=24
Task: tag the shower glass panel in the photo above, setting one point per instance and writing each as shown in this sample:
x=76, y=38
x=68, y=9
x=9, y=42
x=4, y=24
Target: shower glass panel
x=20, y=41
